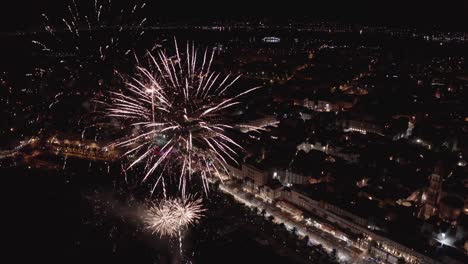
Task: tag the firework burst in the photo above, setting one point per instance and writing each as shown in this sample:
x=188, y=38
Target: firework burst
x=93, y=29
x=176, y=108
x=88, y=41
x=171, y=216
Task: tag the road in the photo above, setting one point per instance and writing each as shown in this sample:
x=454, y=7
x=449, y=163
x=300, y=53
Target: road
x=12, y=152
x=316, y=235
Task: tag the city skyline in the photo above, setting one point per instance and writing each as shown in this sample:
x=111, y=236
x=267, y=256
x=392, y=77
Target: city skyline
x=199, y=133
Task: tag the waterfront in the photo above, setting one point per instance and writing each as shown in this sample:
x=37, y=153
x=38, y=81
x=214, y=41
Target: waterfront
x=66, y=217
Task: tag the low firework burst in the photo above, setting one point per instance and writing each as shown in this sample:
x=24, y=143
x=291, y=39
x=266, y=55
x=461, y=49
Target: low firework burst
x=176, y=107
x=171, y=216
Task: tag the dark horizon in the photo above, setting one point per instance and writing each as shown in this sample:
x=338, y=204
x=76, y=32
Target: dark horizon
x=22, y=14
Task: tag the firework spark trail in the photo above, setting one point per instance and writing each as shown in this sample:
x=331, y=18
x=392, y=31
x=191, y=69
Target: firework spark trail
x=81, y=20
x=90, y=36
x=176, y=106
x=171, y=216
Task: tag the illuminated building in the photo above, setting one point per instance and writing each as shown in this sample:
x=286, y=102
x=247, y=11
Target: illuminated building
x=386, y=249
x=256, y=124
x=271, y=40
x=431, y=196
x=258, y=176
x=271, y=191
x=333, y=151
x=288, y=177
x=362, y=127
x=290, y=209
x=81, y=149
x=320, y=106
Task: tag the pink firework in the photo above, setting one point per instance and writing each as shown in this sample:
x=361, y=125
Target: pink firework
x=177, y=107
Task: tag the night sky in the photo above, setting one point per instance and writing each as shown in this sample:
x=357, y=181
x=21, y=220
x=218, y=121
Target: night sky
x=447, y=15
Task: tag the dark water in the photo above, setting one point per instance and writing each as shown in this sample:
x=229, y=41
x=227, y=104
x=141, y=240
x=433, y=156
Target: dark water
x=49, y=217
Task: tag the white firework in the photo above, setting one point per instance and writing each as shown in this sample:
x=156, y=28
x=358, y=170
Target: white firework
x=171, y=216
x=177, y=108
